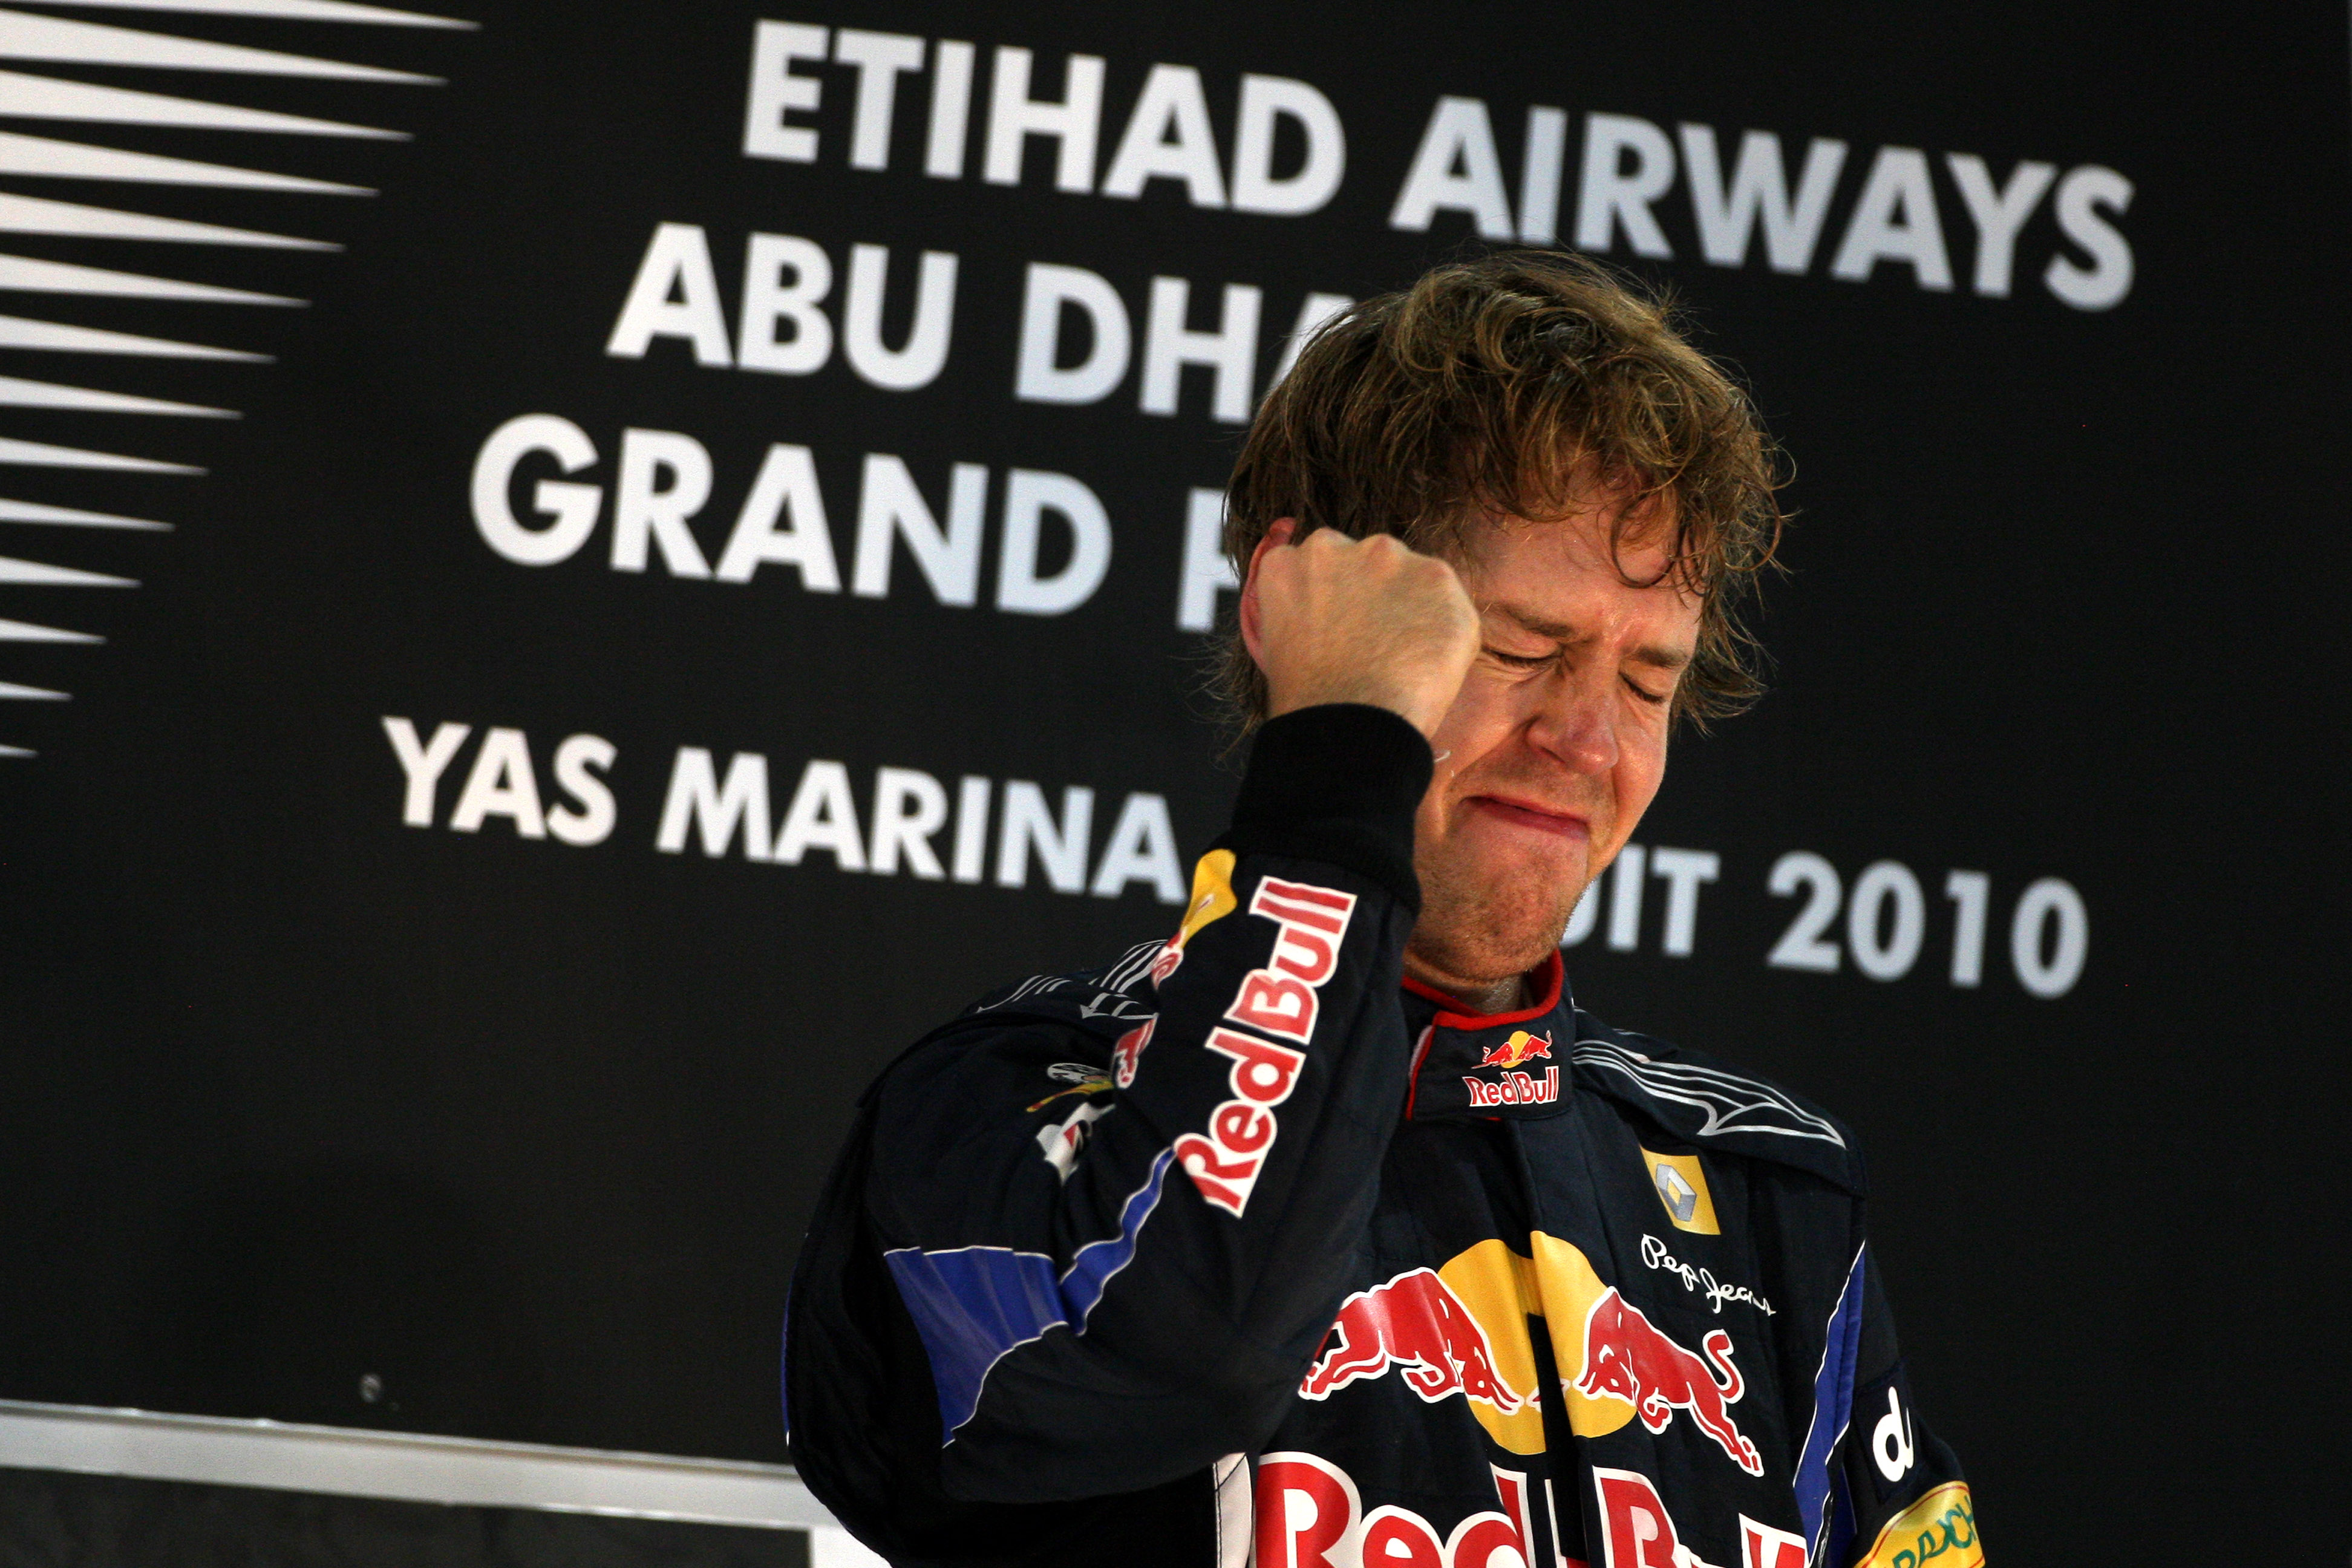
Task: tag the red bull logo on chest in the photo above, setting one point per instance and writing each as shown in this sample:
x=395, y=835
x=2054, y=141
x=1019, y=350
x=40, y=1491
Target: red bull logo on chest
x=1463, y=1329
x=1513, y=1085
x=1637, y=1532
x=1417, y=1325
x=1515, y=1088
x=1627, y=1358
x=1310, y=1513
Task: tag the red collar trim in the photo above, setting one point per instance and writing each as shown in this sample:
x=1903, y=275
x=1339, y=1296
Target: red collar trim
x=1552, y=971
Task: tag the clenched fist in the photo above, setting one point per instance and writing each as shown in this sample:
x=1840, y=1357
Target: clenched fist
x=1335, y=619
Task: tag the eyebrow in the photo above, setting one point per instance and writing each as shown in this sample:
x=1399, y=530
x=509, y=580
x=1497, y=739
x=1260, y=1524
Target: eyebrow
x=1655, y=656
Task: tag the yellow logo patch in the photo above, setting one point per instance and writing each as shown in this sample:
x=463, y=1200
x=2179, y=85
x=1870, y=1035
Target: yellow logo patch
x=1098, y=1084
x=1940, y=1527
x=1213, y=899
x=1681, y=1184
x=1503, y=1289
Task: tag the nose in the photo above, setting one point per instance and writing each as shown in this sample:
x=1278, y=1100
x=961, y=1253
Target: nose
x=1574, y=720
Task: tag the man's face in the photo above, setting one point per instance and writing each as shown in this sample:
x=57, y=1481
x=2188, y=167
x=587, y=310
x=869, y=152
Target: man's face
x=1556, y=745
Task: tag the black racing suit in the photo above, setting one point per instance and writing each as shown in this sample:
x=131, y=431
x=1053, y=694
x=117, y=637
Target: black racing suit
x=1246, y=1245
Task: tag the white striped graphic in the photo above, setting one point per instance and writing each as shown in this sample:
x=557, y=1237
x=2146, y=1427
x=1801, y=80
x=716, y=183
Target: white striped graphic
x=28, y=511
x=45, y=159
x=1730, y=1101
x=16, y=393
x=23, y=631
x=25, y=37
x=295, y=10
x=53, y=101
x=38, y=215
x=26, y=275
x=18, y=332
x=41, y=454
x=39, y=575
x=26, y=97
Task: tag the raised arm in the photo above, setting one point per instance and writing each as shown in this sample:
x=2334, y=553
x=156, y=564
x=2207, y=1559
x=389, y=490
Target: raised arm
x=1117, y=1230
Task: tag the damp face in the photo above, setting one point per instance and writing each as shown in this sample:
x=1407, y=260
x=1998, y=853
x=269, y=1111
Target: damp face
x=1556, y=745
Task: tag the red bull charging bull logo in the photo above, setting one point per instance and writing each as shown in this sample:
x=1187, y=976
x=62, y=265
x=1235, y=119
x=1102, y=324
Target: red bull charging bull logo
x=1463, y=1329
x=1627, y=1358
x=1127, y=1054
x=1416, y=1324
x=1517, y=1051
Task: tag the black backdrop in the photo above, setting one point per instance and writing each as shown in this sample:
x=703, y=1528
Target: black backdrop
x=316, y=1114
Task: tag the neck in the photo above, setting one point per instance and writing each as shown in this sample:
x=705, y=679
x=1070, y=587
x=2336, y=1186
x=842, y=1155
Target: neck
x=1478, y=997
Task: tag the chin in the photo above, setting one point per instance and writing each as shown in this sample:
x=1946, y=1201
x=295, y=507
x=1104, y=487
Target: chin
x=1486, y=936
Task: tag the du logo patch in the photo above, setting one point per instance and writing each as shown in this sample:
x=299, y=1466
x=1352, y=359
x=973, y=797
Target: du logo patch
x=1681, y=1184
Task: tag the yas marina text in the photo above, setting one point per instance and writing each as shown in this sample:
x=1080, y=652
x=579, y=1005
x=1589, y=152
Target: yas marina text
x=1876, y=922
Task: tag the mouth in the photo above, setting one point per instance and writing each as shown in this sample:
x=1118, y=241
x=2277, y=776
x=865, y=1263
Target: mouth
x=1527, y=814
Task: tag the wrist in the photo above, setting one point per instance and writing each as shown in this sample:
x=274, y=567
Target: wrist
x=1419, y=709
x=1337, y=782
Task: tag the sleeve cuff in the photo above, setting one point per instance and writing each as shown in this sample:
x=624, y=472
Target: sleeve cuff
x=1341, y=783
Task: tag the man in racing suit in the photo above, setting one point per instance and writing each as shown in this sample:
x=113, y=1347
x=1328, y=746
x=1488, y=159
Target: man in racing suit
x=1329, y=1233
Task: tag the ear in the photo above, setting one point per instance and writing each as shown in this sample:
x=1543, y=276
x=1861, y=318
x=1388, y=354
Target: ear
x=1284, y=530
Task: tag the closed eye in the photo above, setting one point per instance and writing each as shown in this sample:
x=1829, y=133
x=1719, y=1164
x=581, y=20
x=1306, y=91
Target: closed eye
x=1521, y=660
x=1655, y=698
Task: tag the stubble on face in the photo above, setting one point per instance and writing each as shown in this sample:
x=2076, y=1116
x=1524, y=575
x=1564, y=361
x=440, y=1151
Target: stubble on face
x=1544, y=768
x=1486, y=924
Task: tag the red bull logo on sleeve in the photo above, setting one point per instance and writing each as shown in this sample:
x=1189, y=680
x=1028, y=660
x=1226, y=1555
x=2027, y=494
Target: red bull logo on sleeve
x=1310, y=922
x=1280, y=1000
x=1625, y=1357
x=1224, y=1164
x=1127, y=1054
x=1417, y=1325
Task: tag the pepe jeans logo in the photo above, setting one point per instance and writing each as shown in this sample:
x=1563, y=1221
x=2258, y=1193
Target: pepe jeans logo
x=1654, y=1254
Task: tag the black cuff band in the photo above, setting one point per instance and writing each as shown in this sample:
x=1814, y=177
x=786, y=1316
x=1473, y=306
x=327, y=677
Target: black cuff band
x=1337, y=783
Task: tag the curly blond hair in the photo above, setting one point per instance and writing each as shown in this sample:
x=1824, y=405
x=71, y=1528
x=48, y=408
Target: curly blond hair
x=1519, y=385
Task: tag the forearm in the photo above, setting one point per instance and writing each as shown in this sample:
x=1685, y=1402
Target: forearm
x=1150, y=1310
